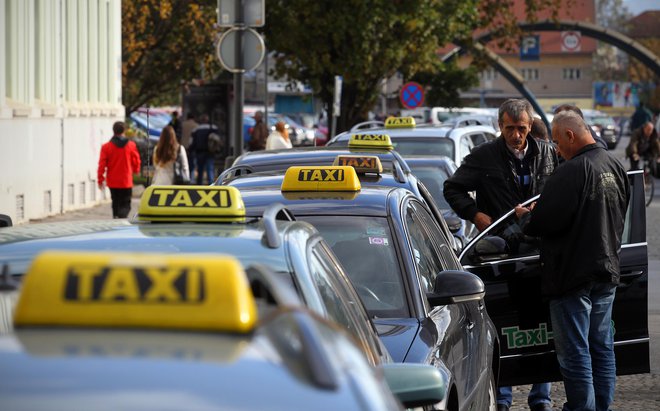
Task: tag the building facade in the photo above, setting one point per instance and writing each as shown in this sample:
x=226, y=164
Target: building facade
x=60, y=93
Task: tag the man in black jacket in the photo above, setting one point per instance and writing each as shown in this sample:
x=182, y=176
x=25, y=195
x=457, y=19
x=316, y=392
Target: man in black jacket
x=504, y=173
x=580, y=217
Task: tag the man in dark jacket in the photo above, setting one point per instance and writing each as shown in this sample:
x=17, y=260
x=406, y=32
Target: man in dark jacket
x=200, y=146
x=504, y=173
x=644, y=144
x=119, y=159
x=580, y=217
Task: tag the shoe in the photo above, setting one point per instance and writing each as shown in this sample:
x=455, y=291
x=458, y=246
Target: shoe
x=543, y=406
x=502, y=407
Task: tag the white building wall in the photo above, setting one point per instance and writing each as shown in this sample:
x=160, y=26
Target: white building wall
x=60, y=93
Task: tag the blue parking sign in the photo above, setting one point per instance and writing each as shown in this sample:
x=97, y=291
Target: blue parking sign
x=530, y=48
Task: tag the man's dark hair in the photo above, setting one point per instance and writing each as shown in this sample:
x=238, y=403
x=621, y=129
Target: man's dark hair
x=569, y=107
x=118, y=128
x=514, y=107
x=190, y=115
x=539, y=130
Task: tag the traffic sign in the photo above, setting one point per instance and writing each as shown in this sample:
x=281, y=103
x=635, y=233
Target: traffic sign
x=571, y=41
x=252, y=52
x=254, y=13
x=530, y=48
x=411, y=95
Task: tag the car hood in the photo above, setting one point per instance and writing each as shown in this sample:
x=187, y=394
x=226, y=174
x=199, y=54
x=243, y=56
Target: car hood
x=398, y=335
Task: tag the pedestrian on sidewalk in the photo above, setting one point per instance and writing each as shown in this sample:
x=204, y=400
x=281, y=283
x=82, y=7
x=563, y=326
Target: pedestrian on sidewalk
x=167, y=155
x=580, y=217
x=118, y=161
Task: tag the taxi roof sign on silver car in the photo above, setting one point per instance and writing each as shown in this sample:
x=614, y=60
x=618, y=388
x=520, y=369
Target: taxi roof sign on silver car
x=194, y=292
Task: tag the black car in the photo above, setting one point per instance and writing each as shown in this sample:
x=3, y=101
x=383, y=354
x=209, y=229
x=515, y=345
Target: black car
x=508, y=263
x=425, y=307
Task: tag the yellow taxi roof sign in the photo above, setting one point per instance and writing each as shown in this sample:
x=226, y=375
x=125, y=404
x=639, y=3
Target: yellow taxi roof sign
x=325, y=178
x=370, y=141
x=400, y=122
x=361, y=164
x=146, y=290
x=191, y=204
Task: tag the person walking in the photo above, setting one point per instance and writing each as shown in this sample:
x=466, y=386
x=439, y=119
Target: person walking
x=200, y=146
x=644, y=144
x=580, y=218
x=641, y=116
x=187, y=127
x=504, y=173
x=259, y=133
x=278, y=138
x=118, y=161
x=176, y=125
x=167, y=153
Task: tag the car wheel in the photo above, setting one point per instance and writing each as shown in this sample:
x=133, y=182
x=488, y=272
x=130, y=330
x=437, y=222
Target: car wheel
x=492, y=393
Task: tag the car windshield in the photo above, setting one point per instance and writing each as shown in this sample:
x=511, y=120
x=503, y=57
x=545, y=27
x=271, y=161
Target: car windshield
x=433, y=179
x=411, y=146
x=365, y=247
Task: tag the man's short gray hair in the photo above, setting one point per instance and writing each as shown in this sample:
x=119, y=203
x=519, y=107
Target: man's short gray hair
x=569, y=120
x=514, y=107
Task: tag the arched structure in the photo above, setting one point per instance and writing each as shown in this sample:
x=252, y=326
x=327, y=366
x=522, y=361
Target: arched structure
x=606, y=35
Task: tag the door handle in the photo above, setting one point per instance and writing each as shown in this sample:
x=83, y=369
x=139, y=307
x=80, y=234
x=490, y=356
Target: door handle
x=631, y=274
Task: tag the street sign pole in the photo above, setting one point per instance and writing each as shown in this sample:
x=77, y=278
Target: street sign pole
x=238, y=83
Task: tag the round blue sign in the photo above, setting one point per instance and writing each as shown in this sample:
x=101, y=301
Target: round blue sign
x=411, y=95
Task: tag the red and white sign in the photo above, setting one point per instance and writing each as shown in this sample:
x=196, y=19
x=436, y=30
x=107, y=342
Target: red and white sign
x=571, y=41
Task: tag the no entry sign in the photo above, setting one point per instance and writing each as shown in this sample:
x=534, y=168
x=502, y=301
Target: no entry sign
x=411, y=95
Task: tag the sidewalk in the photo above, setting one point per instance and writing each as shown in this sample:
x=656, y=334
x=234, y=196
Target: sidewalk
x=633, y=392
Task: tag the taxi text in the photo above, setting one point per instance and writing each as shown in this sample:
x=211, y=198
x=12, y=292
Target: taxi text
x=320, y=175
x=167, y=197
x=134, y=284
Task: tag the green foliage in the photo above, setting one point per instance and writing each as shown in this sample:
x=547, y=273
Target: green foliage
x=445, y=83
x=366, y=41
x=163, y=43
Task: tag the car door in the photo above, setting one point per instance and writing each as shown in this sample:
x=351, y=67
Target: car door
x=429, y=249
x=508, y=263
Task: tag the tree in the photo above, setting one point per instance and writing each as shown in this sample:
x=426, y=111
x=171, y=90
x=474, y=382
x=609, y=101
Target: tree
x=163, y=43
x=610, y=62
x=366, y=41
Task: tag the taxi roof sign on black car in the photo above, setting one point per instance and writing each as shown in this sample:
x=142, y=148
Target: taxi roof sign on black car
x=370, y=141
x=327, y=178
x=400, y=122
x=128, y=290
x=191, y=204
x=361, y=164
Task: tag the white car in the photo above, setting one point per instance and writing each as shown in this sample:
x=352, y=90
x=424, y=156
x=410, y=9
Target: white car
x=453, y=141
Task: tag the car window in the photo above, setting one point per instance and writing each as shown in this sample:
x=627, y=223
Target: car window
x=409, y=146
x=427, y=260
x=356, y=314
x=366, y=248
x=478, y=138
x=433, y=179
x=442, y=246
x=465, y=145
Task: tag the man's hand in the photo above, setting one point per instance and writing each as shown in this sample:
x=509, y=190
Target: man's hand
x=101, y=185
x=521, y=211
x=635, y=157
x=482, y=220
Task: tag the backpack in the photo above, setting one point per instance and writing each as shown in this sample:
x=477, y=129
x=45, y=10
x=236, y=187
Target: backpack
x=214, y=145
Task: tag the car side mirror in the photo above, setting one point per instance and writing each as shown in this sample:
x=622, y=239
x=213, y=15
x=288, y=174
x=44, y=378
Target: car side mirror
x=415, y=385
x=453, y=287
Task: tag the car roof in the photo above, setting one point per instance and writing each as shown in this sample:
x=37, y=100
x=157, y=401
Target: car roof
x=369, y=201
x=422, y=131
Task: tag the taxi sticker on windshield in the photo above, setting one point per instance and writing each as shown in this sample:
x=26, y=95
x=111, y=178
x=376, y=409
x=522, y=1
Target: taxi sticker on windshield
x=326, y=178
x=104, y=289
x=378, y=241
x=191, y=203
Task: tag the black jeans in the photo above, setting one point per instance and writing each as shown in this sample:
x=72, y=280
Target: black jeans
x=121, y=201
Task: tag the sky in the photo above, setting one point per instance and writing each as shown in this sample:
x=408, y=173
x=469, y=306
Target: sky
x=638, y=6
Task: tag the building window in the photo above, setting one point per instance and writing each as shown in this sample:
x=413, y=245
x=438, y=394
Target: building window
x=92, y=190
x=71, y=194
x=571, y=74
x=83, y=193
x=20, y=207
x=48, y=202
x=530, y=74
x=490, y=74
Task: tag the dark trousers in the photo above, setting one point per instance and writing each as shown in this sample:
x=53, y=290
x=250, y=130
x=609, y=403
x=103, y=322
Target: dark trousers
x=121, y=201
